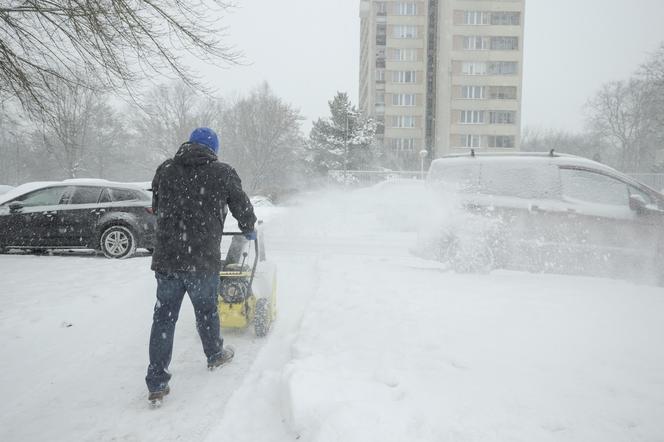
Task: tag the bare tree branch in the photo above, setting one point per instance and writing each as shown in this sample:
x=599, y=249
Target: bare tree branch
x=113, y=43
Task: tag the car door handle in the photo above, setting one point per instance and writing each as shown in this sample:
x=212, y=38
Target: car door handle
x=98, y=211
x=51, y=214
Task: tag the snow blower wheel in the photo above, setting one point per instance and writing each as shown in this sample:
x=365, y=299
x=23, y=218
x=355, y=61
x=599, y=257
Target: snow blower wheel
x=262, y=318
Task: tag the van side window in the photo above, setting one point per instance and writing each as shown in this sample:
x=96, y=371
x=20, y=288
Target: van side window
x=592, y=187
x=520, y=180
x=647, y=198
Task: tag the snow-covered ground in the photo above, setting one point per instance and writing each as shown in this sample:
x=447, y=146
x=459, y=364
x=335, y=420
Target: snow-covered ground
x=371, y=344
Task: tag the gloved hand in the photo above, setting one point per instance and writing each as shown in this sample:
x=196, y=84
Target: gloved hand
x=251, y=236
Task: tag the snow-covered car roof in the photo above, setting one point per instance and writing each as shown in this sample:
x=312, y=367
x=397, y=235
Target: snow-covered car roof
x=36, y=185
x=5, y=189
x=261, y=201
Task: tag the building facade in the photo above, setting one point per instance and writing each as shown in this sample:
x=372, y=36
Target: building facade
x=442, y=76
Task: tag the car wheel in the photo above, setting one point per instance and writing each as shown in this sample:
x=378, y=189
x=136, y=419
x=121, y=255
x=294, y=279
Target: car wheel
x=117, y=242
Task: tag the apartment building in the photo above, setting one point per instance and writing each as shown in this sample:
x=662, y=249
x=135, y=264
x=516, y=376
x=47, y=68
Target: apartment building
x=442, y=76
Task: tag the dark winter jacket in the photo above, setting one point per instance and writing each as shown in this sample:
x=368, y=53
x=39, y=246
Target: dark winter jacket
x=190, y=194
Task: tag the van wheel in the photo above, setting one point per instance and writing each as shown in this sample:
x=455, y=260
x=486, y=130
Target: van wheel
x=117, y=242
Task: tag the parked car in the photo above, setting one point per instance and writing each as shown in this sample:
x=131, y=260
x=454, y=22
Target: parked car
x=261, y=201
x=111, y=217
x=5, y=189
x=549, y=211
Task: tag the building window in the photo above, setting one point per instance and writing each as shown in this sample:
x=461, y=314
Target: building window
x=501, y=68
x=504, y=43
x=404, y=76
x=506, y=141
x=404, y=31
x=472, y=92
x=475, y=43
x=506, y=18
x=403, y=144
x=470, y=141
x=380, y=75
x=502, y=117
x=381, y=34
x=404, y=99
x=473, y=68
x=381, y=8
x=475, y=18
x=380, y=57
x=380, y=98
x=406, y=8
x=502, y=92
x=403, y=54
x=403, y=121
x=471, y=117
x=380, y=124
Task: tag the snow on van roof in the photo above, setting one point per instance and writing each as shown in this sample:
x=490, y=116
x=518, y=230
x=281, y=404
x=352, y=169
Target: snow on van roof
x=443, y=165
x=532, y=157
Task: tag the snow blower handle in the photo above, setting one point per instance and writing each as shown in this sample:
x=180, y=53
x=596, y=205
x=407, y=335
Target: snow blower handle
x=244, y=255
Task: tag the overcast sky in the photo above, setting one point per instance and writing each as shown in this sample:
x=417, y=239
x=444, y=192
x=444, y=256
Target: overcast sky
x=309, y=49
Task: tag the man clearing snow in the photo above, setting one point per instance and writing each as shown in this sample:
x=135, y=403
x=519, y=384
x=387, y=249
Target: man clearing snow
x=190, y=194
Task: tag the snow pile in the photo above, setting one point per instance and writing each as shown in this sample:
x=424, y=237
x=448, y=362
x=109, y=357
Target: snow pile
x=393, y=348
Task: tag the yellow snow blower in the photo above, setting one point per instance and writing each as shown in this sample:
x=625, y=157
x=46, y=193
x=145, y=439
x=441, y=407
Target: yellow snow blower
x=247, y=293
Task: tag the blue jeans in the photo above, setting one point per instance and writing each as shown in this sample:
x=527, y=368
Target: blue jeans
x=171, y=287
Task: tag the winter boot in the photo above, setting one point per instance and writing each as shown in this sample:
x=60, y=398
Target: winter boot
x=156, y=397
x=222, y=358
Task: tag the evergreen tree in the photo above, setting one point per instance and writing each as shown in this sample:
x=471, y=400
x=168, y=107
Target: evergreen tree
x=344, y=141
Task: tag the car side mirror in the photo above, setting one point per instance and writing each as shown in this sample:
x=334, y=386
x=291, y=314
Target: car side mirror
x=15, y=207
x=637, y=203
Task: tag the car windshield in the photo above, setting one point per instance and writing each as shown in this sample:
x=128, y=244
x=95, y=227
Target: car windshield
x=50, y=196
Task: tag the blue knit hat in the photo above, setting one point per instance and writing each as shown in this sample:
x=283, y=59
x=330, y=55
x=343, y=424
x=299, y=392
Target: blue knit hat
x=206, y=137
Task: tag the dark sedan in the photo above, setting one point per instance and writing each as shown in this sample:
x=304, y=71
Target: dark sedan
x=90, y=214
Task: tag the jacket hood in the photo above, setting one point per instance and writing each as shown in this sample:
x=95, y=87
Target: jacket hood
x=194, y=154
